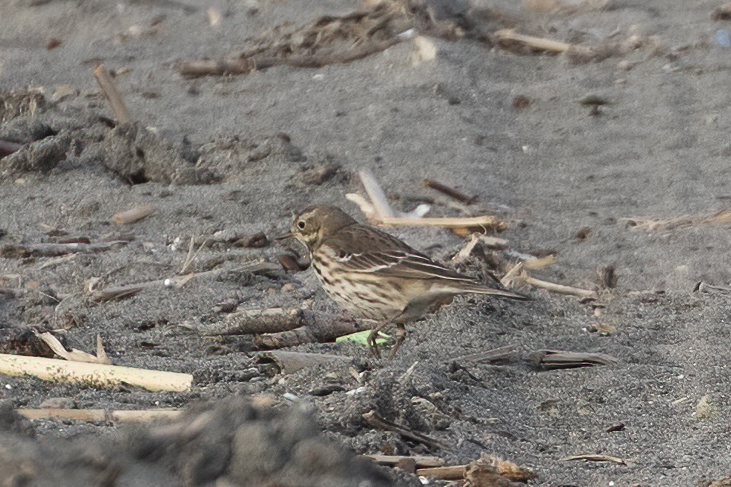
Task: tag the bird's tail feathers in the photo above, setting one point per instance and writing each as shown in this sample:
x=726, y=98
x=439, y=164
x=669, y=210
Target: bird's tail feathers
x=483, y=289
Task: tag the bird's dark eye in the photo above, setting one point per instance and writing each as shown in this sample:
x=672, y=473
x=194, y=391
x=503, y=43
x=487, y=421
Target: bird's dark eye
x=301, y=225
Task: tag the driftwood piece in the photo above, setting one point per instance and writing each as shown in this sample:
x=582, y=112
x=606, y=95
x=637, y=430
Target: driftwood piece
x=375, y=420
x=254, y=321
x=21, y=251
x=133, y=215
x=595, y=457
x=278, y=328
x=422, y=461
x=290, y=362
x=557, y=359
x=106, y=83
x=323, y=330
x=107, y=415
x=93, y=375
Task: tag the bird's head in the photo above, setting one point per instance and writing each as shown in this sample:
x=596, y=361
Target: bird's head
x=316, y=223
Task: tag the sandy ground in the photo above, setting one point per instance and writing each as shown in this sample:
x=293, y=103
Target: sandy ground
x=563, y=179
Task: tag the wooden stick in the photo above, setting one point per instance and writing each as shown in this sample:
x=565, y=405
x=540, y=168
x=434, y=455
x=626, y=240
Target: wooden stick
x=322, y=330
x=424, y=461
x=93, y=375
x=375, y=420
x=451, y=192
x=559, y=359
x=509, y=35
x=106, y=83
x=133, y=215
x=108, y=415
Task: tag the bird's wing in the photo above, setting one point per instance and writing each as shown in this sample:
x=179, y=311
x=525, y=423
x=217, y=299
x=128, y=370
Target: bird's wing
x=378, y=253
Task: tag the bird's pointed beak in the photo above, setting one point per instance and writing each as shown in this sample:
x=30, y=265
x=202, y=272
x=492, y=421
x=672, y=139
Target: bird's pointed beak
x=285, y=236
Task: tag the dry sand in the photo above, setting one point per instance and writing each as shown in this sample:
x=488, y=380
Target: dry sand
x=660, y=148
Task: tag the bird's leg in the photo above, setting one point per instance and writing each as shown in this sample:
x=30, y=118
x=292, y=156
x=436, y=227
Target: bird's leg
x=400, y=337
x=374, y=336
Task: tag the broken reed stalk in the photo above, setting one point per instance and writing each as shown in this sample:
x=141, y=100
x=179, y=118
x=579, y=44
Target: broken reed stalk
x=97, y=415
x=133, y=215
x=649, y=224
x=106, y=83
x=93, y=375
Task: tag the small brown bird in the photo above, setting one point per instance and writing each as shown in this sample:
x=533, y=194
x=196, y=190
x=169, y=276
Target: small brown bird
x=376, y=276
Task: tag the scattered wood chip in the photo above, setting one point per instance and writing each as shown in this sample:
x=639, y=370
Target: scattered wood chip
x=98, y=415
x=375, y=420
x=133, y=215
x=76, y=355
x=93, y=375
x=517, y=277
x=595, y=457
x=558, y=359
x=648, y=224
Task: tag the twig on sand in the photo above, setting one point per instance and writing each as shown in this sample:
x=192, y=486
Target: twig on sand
x=21, y=251
x=106, y=83
x=508, y=37
x=451, y=192
x=722, y=217
x=559, y=359
x=118, y=292
x=97, y=415
x=422, y=461
x=93, y=375
x=517, y=276
x=595, y=457
x=375, y=420
x=495, y=355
